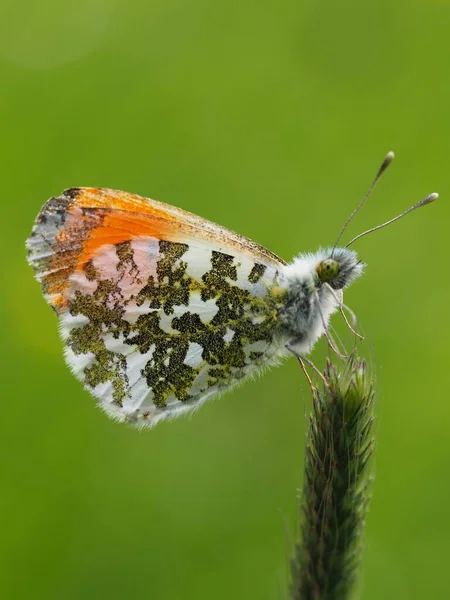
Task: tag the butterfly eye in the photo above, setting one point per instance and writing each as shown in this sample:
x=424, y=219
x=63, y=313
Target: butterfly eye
x=328, y=269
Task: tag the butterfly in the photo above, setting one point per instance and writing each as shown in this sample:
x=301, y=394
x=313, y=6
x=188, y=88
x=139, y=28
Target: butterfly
x=160, y=309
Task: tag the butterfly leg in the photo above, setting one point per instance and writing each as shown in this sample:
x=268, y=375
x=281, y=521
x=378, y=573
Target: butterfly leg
x=341, y=310
x=308, y=378
x=327, y=333
x=302, y=359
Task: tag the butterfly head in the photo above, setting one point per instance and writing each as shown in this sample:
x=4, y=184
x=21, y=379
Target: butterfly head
x=338, y=268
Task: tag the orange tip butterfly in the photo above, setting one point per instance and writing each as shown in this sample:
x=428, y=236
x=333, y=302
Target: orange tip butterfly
x=160, y=309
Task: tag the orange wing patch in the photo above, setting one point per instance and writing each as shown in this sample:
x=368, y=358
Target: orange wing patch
x=72, y=227
x=117, y=226
x=113, y=199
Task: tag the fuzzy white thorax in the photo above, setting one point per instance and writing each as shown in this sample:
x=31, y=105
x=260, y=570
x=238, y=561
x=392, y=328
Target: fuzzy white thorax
x=310, y=303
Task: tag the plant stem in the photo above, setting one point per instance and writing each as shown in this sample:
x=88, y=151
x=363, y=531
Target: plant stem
x=335, y=494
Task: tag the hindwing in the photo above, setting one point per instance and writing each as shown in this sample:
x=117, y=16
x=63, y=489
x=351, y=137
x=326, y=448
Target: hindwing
x=158, y=308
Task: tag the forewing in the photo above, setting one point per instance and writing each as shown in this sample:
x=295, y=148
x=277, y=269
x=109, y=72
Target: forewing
x=158, y=309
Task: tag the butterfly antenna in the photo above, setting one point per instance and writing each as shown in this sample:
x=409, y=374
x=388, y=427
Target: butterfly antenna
x=430, y=198
x=386, y=162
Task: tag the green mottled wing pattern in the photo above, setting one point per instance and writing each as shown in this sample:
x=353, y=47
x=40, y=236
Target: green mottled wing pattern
x=168, y=327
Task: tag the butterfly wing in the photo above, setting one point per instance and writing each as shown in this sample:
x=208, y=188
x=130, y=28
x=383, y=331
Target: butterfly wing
x=159, y=309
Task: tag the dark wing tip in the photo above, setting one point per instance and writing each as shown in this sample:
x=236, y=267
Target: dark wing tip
x=72, y=193
x=49, y=220
x=57, y=204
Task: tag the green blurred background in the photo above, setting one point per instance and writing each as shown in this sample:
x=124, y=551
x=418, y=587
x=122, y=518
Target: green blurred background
x=270, y=118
